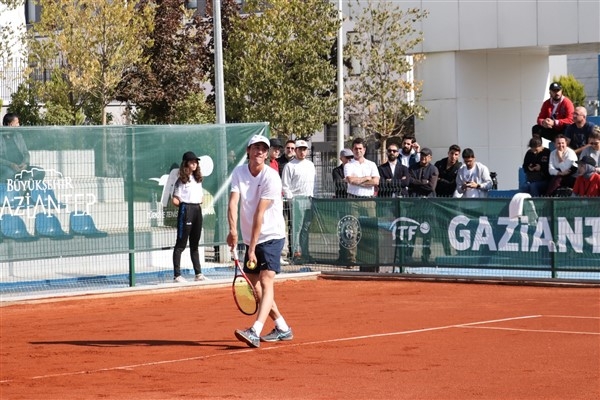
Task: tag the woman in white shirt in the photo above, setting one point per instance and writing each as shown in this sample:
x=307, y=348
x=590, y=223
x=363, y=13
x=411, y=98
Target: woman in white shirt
x=187, y=195
x=562, y=165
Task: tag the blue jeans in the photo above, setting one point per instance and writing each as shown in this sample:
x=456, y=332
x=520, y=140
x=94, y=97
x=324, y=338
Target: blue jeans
x=535, y=189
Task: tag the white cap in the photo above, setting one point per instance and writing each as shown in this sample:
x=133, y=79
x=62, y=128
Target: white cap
x=259, y=139
x=301, y=143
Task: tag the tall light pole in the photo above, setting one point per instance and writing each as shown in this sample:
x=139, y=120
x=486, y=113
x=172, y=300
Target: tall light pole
x=340, y=80
x=221, y=209
x=219, y=84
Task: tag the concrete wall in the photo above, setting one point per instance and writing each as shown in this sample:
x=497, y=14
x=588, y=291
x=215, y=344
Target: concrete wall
x=585, y=68
x=487, y=71
x=482, y=101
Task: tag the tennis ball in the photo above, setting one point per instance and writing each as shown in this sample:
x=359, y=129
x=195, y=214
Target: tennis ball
x=251, y=264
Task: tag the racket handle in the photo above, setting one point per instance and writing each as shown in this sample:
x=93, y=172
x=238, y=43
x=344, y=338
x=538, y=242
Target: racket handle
x=234, y=252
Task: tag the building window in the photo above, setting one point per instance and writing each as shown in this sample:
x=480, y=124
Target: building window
x=331, y=133
x=33, y=11
x=191, y=4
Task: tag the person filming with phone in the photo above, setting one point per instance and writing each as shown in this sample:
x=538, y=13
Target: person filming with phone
x=473, y=178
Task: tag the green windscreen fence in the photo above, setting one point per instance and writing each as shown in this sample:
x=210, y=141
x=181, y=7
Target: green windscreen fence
x=543, y=237
x=91, y=202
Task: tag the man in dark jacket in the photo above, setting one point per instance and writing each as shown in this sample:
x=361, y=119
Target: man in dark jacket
x=423, y=176
x=289, y=152
x=423, y=181
x=340, y=185
x=447, y=168
x=535, y=166
x=393, y=176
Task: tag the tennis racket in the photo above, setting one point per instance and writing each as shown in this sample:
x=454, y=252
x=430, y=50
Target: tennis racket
x=243, y=292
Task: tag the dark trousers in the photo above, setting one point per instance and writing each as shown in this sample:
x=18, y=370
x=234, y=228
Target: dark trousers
x=545, y=133
x=535, y=189
x=560, y=182
x=189, y=226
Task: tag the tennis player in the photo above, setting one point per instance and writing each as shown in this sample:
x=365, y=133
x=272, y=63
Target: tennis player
x=256, y=192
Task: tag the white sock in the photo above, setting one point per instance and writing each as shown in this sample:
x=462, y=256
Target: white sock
x=258, y=327
x=281, y=324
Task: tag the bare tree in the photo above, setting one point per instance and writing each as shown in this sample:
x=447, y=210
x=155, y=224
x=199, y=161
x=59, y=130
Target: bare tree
x=380, y=97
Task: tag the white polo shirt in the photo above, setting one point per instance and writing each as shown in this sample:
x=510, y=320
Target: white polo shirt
x=361, y=170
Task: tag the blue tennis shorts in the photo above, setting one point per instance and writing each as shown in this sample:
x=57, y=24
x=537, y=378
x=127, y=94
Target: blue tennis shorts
x=268, y=255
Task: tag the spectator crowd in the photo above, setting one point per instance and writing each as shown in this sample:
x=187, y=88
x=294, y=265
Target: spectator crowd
x=567, y=166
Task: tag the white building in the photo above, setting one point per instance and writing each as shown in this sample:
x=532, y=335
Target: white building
x=487, y=71
x=14, y=21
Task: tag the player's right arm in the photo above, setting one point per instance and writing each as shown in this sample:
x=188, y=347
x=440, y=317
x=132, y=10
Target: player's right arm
x=232, y=217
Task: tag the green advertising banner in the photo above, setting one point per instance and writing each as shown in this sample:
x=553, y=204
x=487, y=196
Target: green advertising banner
x=544, y=233
x=69, y=191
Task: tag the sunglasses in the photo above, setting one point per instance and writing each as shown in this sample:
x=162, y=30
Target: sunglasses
x=290, y=148
x=392, y=151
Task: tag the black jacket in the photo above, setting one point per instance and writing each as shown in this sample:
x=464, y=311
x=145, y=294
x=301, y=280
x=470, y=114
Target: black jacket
x=423, y=180
x=543, y=159
x=340, y=185
x=393, y=183
x=446, y=184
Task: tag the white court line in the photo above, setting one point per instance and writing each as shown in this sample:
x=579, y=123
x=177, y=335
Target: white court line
x=236, y=352
x=532, y=330
x=416, y=330
x=569, y=316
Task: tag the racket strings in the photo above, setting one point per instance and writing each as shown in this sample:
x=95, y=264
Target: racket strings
x=244, y=296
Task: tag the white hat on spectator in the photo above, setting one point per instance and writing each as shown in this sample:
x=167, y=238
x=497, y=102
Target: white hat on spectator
x=301, y=143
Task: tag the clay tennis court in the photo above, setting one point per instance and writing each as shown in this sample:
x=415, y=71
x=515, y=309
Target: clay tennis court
x=353, y=340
